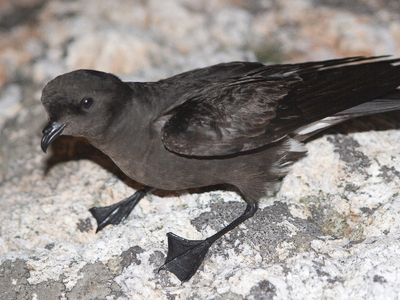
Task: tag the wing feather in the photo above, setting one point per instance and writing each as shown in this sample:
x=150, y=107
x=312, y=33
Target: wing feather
x=265, y=104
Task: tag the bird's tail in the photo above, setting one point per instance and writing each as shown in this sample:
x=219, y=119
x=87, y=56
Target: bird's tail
x=385, y=104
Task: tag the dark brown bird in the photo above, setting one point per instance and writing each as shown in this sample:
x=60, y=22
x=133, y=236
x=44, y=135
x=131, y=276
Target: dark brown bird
x=238, y=123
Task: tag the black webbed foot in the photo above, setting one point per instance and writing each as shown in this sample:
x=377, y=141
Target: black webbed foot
x=116, y=213
x=184, y=256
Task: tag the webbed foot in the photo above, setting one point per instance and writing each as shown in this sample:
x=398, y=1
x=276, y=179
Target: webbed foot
x=184, y=256
x=116, y=213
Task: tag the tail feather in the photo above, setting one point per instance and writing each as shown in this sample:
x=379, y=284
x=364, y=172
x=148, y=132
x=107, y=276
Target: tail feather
x=386, y=104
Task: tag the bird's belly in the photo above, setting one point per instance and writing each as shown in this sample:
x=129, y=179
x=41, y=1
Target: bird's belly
x=157, y=167
x=175, y=172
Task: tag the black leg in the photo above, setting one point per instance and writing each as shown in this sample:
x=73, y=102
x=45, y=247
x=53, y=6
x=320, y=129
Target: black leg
x=116, y=213
x=185, y=256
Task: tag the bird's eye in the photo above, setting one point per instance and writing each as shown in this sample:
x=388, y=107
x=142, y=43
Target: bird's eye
x=87, y=103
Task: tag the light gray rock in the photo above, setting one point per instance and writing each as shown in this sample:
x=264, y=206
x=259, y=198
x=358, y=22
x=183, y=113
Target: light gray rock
x=10, y=102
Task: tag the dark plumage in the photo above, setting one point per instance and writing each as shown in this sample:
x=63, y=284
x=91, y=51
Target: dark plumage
x=238, y=123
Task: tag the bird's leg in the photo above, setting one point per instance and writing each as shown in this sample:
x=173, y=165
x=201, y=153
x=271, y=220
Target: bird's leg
x=116, y=213
x=185, y=256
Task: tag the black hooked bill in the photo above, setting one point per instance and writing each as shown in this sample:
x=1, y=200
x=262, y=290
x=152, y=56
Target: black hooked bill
x=50, y=132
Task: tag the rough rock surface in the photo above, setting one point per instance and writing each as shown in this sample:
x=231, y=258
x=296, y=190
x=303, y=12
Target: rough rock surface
x=331, y=232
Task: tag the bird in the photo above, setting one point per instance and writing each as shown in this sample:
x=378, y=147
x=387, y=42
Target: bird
x=237, y=123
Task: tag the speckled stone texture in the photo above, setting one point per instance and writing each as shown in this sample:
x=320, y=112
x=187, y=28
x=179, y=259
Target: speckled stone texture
x=330, y=232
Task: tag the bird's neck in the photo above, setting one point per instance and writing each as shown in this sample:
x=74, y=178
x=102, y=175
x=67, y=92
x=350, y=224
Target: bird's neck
x=127, y=139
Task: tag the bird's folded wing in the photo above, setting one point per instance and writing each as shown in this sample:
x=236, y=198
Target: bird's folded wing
x=227, y=117
x=250, y=111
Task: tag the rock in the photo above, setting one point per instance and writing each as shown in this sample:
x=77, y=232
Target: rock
x=10, y=103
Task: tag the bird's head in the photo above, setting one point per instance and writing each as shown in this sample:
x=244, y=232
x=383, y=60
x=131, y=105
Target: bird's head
x=82, y=103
